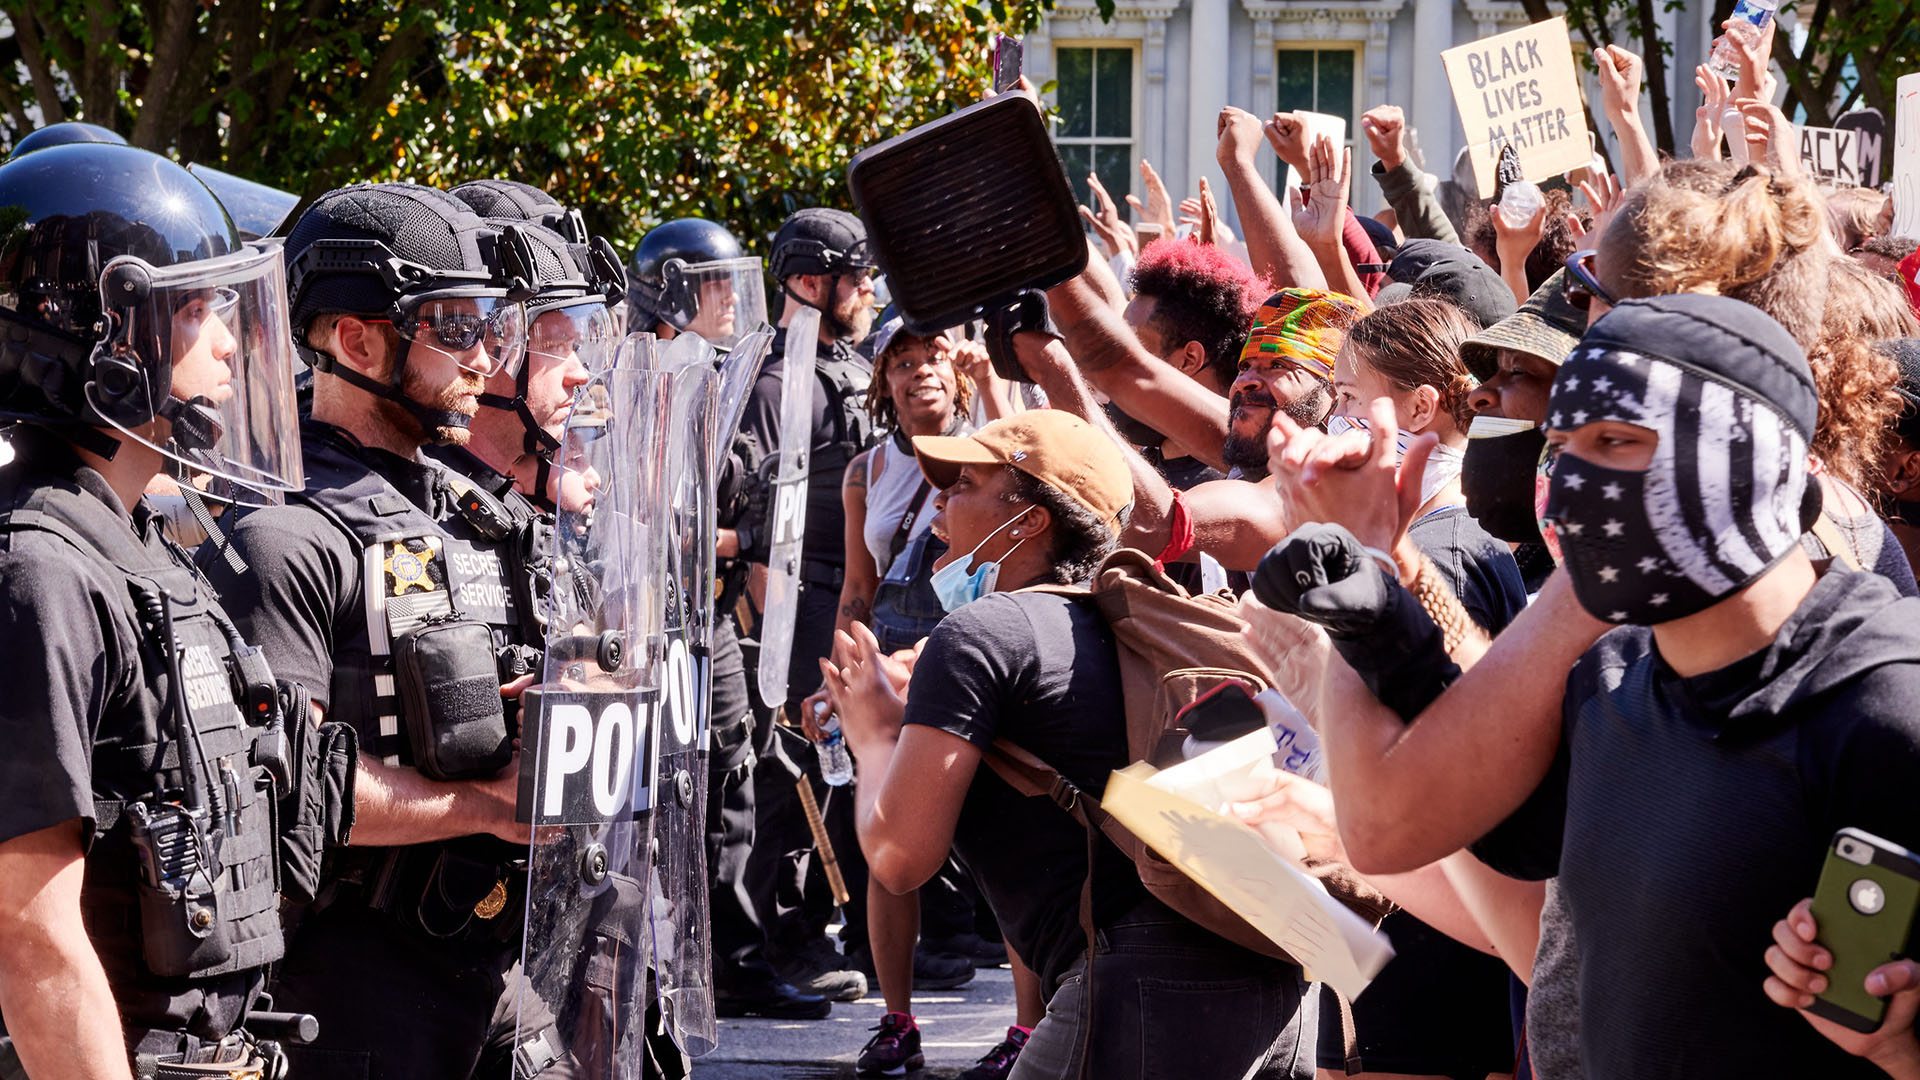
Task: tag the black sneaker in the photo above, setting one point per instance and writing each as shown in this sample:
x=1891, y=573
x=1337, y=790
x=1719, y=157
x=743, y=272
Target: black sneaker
x=775, y=1000
x=818, y=968
x=982, y=952
x=893, y=1050
x=999, y=1060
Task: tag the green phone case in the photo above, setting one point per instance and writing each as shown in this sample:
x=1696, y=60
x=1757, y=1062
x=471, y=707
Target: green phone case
x=1865, y=914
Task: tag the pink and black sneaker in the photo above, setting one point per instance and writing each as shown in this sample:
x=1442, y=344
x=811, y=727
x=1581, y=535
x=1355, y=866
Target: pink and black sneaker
x=999, y=1060
x=894, y=1049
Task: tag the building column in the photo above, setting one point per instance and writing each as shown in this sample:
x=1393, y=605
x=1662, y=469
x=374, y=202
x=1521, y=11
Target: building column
x=1431, y=111
x=1153, y=109
x=1208, y=90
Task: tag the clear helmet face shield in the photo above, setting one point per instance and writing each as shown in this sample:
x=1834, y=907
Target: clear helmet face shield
x=722, y=301
x=198, y=365
x=560, y=333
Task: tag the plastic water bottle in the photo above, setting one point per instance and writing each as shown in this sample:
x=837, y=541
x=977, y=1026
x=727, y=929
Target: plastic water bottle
x=1518, y=203
x=1757, y=15
x=836, y=763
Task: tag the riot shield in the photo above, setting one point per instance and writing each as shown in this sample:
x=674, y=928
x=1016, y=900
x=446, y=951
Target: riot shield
x=738, y=368
x=682, y=936
x=591, y=740
x=789, y=514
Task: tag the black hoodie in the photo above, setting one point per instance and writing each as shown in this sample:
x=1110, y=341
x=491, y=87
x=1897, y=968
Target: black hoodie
x=1699, y=810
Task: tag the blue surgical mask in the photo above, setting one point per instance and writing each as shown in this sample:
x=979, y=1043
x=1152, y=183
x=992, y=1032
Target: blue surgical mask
x=956, y=588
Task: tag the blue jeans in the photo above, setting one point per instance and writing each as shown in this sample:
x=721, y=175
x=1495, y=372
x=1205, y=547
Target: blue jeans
x=1171, y=1001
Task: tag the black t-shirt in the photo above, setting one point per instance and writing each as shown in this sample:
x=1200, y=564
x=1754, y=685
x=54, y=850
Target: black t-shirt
x=1480, y=569
x=1696, y=811
x=834, y=420
x=1041, y=670
x=74, y=656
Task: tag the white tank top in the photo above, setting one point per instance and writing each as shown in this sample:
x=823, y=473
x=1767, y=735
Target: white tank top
x=892, y=481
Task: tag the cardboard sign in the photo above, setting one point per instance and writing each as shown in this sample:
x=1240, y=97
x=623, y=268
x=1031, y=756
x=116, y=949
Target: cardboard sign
x=1520, y=88
x=1906, y=156
x=1238, y=866
x=1832, y=155
x=1870, y=128
x=1317, y=124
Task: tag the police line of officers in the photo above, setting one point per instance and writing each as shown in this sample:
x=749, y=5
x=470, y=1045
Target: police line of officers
x=288, y=751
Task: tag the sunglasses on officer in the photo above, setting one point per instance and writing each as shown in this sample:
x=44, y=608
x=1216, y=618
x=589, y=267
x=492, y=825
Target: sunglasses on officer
x=484, y=334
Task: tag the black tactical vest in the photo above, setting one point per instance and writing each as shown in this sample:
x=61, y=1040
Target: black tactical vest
x=185, y=648
x=415, y=564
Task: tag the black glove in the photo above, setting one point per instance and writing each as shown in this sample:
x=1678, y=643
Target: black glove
x=1026, y=311
x=1323, y=574
x=755, y=526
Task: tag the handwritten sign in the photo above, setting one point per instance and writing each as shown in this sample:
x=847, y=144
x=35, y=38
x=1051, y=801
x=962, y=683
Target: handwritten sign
x=1317, y=124
x=1906, y=156
x=1838, y=156
x=1520, y=88
x=1870, y=128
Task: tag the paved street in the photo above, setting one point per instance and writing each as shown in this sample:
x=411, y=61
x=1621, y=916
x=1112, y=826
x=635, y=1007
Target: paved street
x=956, y=1027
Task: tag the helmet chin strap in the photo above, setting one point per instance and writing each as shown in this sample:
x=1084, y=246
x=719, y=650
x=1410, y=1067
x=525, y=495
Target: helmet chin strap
x=431, y=419
x=196, y=421
x=537, y=440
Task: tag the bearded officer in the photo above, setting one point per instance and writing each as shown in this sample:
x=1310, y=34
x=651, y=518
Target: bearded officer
x=401, y=601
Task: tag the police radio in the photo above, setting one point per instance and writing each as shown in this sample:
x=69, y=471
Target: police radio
x=181, y=931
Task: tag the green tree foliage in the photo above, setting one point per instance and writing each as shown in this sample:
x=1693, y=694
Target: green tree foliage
x=736, y=110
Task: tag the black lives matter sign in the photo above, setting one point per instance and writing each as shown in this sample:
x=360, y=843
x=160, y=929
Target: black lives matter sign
x=1520, y=89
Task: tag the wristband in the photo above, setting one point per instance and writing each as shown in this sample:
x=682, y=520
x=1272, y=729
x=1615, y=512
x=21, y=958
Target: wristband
x=1385, y=560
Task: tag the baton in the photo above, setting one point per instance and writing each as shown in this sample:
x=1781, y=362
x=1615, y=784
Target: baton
x=825, y=846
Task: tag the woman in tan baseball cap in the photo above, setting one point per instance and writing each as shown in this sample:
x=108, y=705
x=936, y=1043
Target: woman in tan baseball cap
x=1034, y=499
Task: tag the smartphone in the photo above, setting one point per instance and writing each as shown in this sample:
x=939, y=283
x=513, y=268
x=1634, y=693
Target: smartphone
x=1147, y=232
x=1007, y=53
x=1868, y=895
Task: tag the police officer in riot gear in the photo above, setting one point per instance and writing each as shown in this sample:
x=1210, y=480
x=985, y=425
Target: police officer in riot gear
x=400, y=602
x=691, y=275
x=570, y=334
x=146, y=740
x=820, y=260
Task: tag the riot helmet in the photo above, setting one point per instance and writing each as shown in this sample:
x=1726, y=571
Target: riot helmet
x=61, y=134
x=824, y=241
x=692, y=275
x=422, y=261
x=256, y=209
x=512, y=200
x=571, y=336
x=130, y=303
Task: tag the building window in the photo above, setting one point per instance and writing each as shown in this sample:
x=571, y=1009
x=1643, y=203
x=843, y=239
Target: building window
x=1318, y=80
x=1094, y=92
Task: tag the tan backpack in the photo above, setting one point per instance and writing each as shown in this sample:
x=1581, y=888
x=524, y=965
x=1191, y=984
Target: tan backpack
x=1173, y=647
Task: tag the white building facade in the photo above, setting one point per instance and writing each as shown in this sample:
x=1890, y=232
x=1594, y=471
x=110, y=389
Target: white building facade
x=1150, y=82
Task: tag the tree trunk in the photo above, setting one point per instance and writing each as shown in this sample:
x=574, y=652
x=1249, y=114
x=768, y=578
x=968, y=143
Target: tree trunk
x=1656, y=79
x=172, y=47
x=33, y=54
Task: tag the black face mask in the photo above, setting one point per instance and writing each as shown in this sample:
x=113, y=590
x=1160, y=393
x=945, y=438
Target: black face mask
x=1134, y=431
x=1497, y=476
